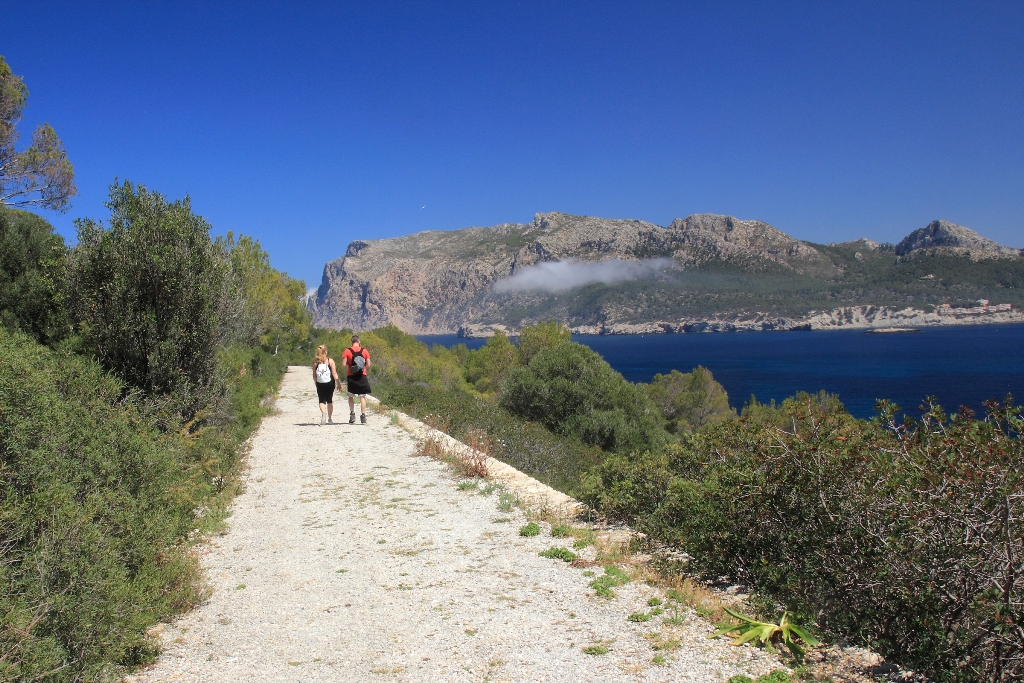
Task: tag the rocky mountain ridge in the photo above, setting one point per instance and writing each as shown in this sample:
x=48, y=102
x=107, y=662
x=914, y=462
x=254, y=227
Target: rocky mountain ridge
x=720, y=270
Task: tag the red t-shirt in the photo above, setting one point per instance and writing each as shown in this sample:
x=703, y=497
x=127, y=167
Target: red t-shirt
x=347, y=356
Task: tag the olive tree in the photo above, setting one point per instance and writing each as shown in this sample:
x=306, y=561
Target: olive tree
x=148, y=294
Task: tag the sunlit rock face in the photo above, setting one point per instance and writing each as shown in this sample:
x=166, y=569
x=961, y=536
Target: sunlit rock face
x=513, y=274
x=945, y=234
x=437, y=282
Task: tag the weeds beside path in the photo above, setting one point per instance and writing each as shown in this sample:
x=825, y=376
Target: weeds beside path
x=348, y=558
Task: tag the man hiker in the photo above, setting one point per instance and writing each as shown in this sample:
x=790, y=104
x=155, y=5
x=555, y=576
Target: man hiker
x=357, y=362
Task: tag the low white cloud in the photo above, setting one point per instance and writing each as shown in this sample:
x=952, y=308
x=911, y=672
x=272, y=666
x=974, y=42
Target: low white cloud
x=559, y=276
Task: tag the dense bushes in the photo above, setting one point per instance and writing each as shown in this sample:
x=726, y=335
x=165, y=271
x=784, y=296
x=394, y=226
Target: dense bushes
x=555, y=459
x=690, y=401
x=106, y=479
x=94, y=499
x=150, y=290
x=536, y=338
x=487, y=367
x=571, y=390
x=156, y=301
x=98, y=504
x=263, y=305
x=906, y=538
x=31, y=276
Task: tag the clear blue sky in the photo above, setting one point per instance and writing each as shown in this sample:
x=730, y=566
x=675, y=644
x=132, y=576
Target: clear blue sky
x=310, y=125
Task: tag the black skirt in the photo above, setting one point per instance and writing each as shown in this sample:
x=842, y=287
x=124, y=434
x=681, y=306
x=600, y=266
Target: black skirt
x=325, y=391
x=360, y=385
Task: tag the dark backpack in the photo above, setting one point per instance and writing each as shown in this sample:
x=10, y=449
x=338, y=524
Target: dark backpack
x=358, y=363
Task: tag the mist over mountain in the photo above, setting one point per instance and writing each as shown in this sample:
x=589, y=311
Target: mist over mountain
x=560, y=276
x=703, y=272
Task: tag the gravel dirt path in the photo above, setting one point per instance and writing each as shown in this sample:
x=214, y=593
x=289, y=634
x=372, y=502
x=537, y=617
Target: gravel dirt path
x=348, y=558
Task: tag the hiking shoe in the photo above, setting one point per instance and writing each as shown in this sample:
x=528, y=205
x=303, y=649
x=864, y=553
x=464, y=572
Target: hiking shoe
x=330, y=420
x=351, y=418
x=323, y=419
x=362, y=419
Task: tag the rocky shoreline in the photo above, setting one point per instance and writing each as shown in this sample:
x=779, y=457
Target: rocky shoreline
x=849, y=317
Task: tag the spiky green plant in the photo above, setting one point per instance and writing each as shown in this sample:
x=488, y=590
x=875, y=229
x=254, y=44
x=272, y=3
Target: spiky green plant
x=764, y=633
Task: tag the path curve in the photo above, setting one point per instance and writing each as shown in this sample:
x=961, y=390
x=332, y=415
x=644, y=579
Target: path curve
x=348, y=558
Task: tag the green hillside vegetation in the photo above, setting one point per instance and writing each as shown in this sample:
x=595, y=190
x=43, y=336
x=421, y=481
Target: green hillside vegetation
x=31, y=261
x=895, y=535
x=135, y=367
x=690, y=401
x=877, y=278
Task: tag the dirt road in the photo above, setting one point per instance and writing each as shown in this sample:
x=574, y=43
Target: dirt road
x=348, y=558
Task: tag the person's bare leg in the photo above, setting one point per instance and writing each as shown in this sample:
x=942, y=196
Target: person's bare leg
x=330, y=411
x=323, y=409
x=351, y=409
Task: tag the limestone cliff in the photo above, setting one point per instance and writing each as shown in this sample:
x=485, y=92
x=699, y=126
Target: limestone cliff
x=939, y=234
x=713, y=269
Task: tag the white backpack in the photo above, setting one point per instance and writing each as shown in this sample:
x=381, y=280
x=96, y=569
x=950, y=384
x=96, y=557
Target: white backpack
x=323, y=373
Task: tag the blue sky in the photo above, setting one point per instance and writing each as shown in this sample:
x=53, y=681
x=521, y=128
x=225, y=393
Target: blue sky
x=310, y=125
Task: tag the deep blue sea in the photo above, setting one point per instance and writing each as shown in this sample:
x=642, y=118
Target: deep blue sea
x=959, y=365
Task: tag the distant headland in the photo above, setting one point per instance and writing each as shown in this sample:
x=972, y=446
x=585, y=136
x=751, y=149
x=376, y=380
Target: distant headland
x=704, y=273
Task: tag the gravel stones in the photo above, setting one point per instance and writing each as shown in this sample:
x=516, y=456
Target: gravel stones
x=348, y=558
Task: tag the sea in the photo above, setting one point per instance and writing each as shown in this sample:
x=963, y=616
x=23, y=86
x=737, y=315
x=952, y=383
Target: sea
x=958, y=365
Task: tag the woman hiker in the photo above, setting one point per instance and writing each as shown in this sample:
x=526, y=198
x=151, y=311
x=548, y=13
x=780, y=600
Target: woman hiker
x=357, y=361
x=325, y=374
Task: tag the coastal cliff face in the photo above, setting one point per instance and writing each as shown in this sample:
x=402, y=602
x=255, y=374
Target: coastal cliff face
x=703, y=272
x=954, y=237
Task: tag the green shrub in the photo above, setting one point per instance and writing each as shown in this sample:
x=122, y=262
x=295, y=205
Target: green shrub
x=429, y=384
x=613, y=576
x=32, y=261
x=536, y=338
x=92, y=506
x=893, y=535
x=486, y=367
x=690, y=401
x=777, y=676
x=561, y=530
x=264, y=306
x=571, y=390
x=556, y=553
x=531, y=529
x=97, y=506
x=149, y=296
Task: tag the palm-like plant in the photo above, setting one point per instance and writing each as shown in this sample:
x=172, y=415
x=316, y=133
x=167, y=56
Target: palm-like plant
x=765, y=632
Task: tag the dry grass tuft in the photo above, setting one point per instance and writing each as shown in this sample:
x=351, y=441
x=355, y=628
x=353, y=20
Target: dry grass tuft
x=431, y=447
x=705, y=601
x=469, y=463
x=474, y=463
